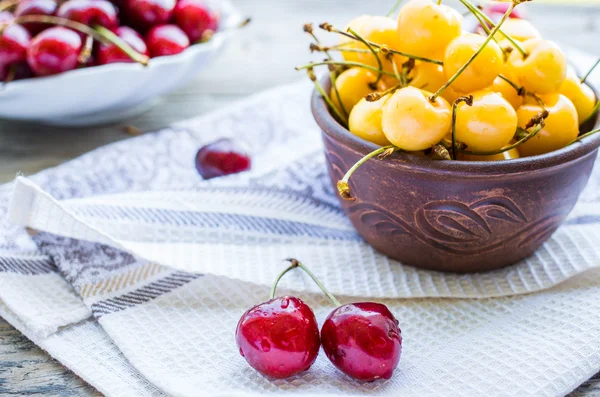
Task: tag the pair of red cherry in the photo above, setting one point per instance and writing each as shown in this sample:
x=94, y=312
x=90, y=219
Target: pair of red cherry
x=280, y=338
x=169, y=27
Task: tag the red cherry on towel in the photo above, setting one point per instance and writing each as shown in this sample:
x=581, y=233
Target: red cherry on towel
x=279, y=338
x=54, y=51
x=110, y=53
x=36, y=7
x=222, y=157
x=90, y=12
x=143, y=14
x=363, y=340
x=195, y=18
x=166, y=40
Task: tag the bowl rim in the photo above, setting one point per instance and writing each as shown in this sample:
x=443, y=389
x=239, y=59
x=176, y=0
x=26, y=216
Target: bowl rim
x=332, y=128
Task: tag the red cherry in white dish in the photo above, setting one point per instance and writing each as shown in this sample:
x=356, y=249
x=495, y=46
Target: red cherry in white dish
x=110, y=53
x=36, y=7
x=144, y=14
x=54, y=51
x=90, y=12
x=13, y=44
x=195, y=18
x=166, y=40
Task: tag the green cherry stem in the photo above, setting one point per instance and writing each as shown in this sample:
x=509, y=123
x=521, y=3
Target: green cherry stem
x=394, y=8
x=589, y=133
x=479, y=50
x=296, y=263
x=522, y=92
x=379, y=64
x=476, y=11
x=469, y=101
x=344, y=63
x=319, y=87
x=584, y=78
x=329, y=28
x=593, y=114
x=343, y=186
x=279, y=277
x=6, y=4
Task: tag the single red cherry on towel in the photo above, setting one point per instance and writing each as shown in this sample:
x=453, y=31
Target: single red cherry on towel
x=110, y=53
x=279, y=338
x=195, y=18
x=54, y=51
x=144, y=14
x=36, y=7
x=363, y=340
x=222, y=157
x=90, y=12
x=166, y=40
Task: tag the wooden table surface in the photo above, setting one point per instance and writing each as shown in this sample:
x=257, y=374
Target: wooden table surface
x=262, y=57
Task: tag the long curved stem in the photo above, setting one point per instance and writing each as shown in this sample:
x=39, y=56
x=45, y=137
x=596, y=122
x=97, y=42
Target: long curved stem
x=530, y=135
x=584, y=78
x=378, y=60
x=469, y=101
x=342, y=185
x=99, y=33
x=589, y=133
x=6, y=4
x=344, y=63
x=593, y=113
x=394, y=8
x=296, y=263
x=479, y=50
x=474, y=10
x=319, y=88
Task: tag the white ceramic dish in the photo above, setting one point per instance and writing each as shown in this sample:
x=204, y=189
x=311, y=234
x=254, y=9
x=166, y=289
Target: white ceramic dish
x=112, y=92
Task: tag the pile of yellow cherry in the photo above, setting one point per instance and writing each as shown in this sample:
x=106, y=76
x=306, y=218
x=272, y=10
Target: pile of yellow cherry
x=420, y=83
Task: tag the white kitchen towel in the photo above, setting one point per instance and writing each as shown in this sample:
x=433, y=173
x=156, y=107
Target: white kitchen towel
x=199, y=256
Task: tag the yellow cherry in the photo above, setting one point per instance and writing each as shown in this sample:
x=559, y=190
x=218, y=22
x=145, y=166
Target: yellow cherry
x=562, y=125
x=365, y=121
x=411, y=122
x=425, y=28
x=581, y=95
x=488, y=125
x=353, y=85
x=427, y=76
x=376, y=29
x=482, y=71
x=508, y=155
x=518, y=29
x=544, y=69
x=507, y=91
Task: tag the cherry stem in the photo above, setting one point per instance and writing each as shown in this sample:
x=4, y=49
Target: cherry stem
x=86, y=51
x=479, y=50
x=522, y=92
x=343, y=186
x=469, y=101
x=274, y=286
x=487, y=30
x=319, y=87
x=592, y=114
x=589, y=133
x=584, y=78
x=6, y=4
x=344, y=63
x=379, y=64
x=99, y=33
x=474, y=10
x=296, y=263
x=330, y=28
x=394, y=8
x=10, y=76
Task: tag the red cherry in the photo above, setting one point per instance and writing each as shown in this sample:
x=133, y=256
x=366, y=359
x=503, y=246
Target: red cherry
x=166, y=40
x=143, y=14
x=279, y=338
x=21, y=71
x=54, y=51
x=195, y=18
x=36, y=7
x=497, y=9
x=363, y=340
x=90, y=12
x=222, y=157
x=13, y=44
x=110, y=53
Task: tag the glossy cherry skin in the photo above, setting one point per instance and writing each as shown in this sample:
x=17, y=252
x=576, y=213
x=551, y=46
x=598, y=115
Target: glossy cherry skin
x=36, y=7
x=279, y=338
x=166, y=40
x=144, y=14
x=195, y=18
x=13, y=44
x=222, y=157
x=54, y=51
x=363, y=340
x=90, y=12
x=110, y=53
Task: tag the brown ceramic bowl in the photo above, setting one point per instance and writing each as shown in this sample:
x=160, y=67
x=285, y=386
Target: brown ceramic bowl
x=455, y=216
